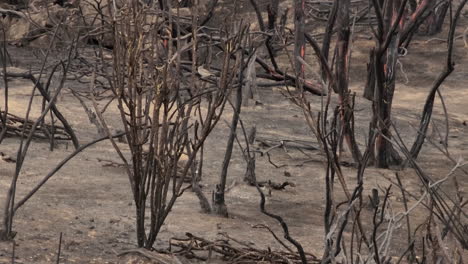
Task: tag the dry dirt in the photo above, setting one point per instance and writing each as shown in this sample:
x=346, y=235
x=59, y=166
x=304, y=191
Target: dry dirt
x=90, y=202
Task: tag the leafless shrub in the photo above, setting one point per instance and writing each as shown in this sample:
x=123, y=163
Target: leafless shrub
x=166, y=114
x=7, y=233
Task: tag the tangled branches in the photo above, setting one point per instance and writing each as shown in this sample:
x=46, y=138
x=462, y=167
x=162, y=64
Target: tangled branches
x=15, y=125
x=231, y=250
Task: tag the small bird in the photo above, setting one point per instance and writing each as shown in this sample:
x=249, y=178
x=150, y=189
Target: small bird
x=204, y=73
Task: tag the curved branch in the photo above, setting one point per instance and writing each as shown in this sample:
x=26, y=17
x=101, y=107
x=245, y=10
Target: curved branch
x=280, y=220
x=59, y=166
x=429, y=105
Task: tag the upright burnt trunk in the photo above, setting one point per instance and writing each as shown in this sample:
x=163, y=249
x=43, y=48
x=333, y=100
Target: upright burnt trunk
x=342, y=77
x=219, y=206
x=385, y=64
x=395, y=29
x=382, y=81
x=328, y=34
x=299, y=41
x=385, y=155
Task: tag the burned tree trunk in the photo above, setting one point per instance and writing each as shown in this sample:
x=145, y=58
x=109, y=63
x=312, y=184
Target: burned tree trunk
x=394, y=32
x=219, y=205
x=381, y=83
x=328, y=34
x=249, y=176
x=343, y=55
x=299, y=41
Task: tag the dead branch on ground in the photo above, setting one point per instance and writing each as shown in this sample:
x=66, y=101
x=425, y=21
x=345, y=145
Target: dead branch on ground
x=231, y=250
x=15, y=125
x=43, y=90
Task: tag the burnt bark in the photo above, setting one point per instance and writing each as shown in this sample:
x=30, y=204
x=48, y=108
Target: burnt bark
x=299, y=37
x=343, y=55
x=328, y=34
x=250, y=177
x=381, y=79
x=429, y=104
x=219, y=205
